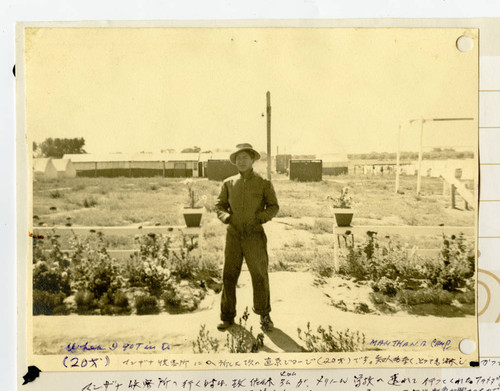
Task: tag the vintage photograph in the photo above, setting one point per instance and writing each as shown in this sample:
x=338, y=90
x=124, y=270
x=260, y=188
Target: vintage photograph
x=279, y=192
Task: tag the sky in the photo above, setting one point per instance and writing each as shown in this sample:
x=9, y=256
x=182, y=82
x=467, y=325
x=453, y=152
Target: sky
x=148, y=89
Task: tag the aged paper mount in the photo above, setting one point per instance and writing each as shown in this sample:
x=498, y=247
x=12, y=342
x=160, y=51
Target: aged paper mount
x=442, y=351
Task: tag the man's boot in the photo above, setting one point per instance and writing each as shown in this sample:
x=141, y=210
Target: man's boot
x=225, y=325
x=266, y=323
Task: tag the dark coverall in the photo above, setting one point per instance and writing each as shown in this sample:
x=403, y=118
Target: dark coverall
x=244, y=204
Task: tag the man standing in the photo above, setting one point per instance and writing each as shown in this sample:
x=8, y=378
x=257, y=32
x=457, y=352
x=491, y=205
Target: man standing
x=246, y=201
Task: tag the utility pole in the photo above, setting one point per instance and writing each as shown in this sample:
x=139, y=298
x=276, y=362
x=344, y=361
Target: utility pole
x=268, y=96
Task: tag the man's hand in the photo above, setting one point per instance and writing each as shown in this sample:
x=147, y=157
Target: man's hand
x=253, y=226
x=260, y=217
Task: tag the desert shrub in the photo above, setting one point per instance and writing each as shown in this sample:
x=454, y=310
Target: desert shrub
x=146, y=305
x=452, y=277
x=48, y=303
x=328, y=340
x=55, y=194
x=323, y=226
x=171, y=297
x=104, y=279
x=98, y=274
x=179, y=277
x=210, y=266
x=395, y=261
x=121, y=300
x=425, y=296
x=153, y=246
x=95, y=272
x=210, y=273
x=54, y=257
x=387, y=286
x=149, y=275
x=89, y=202
x=353, y=264
x=467, y=297
x=290, y=256
x=149, y=267
x=156, y=249
x=204, y=342
x=280, y=266
x=51, y=277
x=287, y=211
x=86, y=303
x=322, y=267
x=456, y=265
x=242, y=340
x=398, y=274
x=296, y=243
x=117, y=304
x=382, y=303
x=184, y=265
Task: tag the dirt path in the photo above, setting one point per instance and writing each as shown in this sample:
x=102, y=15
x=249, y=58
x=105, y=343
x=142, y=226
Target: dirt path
x=296, y=300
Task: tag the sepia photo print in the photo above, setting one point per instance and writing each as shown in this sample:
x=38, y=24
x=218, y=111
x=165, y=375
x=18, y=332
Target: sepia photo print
x=303, y=197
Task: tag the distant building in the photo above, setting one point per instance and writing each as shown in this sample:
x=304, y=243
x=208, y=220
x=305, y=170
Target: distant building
x=306, y=170
x=282, y=161
x=218, y=170
x=336, y=161
x=65, y=168
x=117, y=165
x=173, y=165
x=182, y=165
x=44, y=168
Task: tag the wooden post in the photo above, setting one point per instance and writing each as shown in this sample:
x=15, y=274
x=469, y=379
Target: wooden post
x=420, y=153
x=336, y=246
x=453, y=196
x=268, y=96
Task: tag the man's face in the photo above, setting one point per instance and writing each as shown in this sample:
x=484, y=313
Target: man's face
x=244, y=161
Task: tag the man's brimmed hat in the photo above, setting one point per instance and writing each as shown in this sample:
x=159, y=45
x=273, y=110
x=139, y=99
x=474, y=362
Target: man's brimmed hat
x=244, y=147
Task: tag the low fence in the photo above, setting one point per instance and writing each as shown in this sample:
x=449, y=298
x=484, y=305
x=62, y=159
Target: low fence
x=193, y=233
x=457, y=188
x=342, y=235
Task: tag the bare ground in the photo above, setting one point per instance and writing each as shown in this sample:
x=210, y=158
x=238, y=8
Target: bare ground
x=297, y=299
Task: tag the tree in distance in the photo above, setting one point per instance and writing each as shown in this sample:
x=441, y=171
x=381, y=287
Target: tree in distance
x=194, y=149
x=58, y=147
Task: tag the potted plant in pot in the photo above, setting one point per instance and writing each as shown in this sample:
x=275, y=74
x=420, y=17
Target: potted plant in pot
x=193, y=212
x=342, y=208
